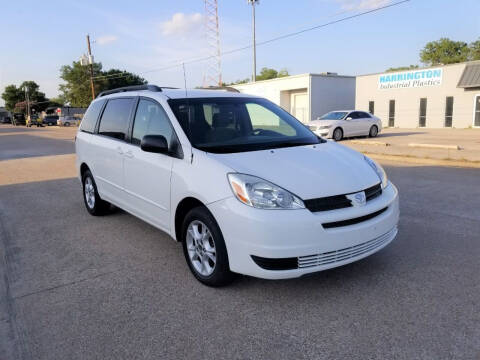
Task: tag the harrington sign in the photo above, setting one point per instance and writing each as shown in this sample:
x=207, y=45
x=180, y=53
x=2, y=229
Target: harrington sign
x=410, y=79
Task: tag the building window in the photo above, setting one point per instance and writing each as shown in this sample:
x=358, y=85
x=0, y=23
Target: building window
x=371, y=107
x=391, y=113
x=422, y=114
x=449, y=111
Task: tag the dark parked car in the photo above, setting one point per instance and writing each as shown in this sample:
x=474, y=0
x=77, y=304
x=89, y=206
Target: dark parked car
x=50, y=120
x=6, y=120
x=19, y=119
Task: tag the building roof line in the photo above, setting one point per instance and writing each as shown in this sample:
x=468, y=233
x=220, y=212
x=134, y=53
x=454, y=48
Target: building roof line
x=423, y=68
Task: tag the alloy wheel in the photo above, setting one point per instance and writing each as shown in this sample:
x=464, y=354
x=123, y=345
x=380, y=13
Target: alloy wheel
x=89, y=192
x=201, y=248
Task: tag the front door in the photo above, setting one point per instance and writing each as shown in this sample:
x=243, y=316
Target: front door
x=476, y=121
x=147, y=175
x=300, y=107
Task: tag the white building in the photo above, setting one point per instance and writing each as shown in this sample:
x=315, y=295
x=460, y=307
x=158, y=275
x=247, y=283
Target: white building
x=306, y=96
x=435, y=97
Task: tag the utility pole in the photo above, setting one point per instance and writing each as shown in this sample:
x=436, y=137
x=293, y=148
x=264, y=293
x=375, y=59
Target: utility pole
x=27, y=100
x=254, y=74
x=90, y=61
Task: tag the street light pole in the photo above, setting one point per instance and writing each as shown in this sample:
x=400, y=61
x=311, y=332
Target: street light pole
x=254, y=74
x=90, y=61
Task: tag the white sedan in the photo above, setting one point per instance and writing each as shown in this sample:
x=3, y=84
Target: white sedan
x=346, y=123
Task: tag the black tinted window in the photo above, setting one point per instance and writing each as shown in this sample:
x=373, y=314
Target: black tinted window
x=114, y=122
x=353, y=115
x=151, y=119
x=91, y=116
x=364, y=115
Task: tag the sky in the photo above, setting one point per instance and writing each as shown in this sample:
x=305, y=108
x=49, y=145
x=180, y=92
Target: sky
x=146, y=37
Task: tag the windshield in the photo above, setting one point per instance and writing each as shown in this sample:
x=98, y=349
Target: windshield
x=226, y=125
x=334, y=115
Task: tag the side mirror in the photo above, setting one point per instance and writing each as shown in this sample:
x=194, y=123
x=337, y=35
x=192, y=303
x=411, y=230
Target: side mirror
x=349, y=118
x=154, y=144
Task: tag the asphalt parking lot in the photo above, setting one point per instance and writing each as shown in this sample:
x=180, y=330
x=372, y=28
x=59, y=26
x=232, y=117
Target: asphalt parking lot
x=73, y=286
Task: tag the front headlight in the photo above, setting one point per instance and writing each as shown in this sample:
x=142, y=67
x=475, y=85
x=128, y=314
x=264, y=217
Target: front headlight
x=325, y=127
x=379, y=170
x=262, y=194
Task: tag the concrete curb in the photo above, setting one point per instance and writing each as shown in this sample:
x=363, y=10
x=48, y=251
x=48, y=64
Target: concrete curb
x=366, y=142
x=425, y=161
x=435, y=146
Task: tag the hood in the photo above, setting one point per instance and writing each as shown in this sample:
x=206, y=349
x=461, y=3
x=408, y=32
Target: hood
x=310, y=171
x=323, y=122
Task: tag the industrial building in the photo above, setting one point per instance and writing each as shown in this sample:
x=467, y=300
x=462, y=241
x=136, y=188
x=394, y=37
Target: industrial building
x=306, y=96
x=435, y=97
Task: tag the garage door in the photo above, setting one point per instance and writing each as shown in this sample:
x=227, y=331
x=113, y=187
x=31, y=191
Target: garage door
x=299, y=104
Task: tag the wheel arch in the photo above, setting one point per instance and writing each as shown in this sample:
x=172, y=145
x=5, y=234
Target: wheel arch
x=183, y=207
x=83, y=168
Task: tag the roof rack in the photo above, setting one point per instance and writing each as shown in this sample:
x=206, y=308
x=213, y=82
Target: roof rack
x=226, y=88
x=154, y=88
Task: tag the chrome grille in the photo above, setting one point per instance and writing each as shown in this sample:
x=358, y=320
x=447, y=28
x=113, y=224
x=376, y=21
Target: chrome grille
x=345, y=254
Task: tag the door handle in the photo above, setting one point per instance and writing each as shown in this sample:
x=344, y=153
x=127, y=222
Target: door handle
x=119, y=150
x=129, y=154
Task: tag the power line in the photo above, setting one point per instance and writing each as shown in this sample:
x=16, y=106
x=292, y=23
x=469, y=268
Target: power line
x=246, y=47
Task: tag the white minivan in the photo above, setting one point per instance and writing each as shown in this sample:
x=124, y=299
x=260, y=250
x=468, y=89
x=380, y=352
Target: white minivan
x=242, y=184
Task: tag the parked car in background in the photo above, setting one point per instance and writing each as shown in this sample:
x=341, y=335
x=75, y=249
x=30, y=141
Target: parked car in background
x=243, y=185
x=67, y=121
x=6, y=120
x=346, y=123
x=19, y=119
x=50, y=120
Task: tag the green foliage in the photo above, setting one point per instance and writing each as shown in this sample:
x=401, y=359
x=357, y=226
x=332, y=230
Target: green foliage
x=444, y=51
x=402, y=68
x=76, y=90
x=15, y=99
x=11, y=96
x=267, y=73
x=475, y=50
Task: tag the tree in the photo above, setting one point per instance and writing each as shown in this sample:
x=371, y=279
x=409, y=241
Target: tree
x=444, y=51
x=76, y=90
x=15, y=98
x=12, y=95
x=402, y=68
x=475, y=50
x=267, y=73
x=118, y=78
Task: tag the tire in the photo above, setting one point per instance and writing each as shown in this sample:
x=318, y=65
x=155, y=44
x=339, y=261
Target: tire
x=337, y=134
x=373, y=131
x=207, y=258
x=94, y=204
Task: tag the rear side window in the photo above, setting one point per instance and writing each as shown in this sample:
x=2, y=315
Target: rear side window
x=114, y=122
x=151, y=119
x=91, y=116
x=364, y=115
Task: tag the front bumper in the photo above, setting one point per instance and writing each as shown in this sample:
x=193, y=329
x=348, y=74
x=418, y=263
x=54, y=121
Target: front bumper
x=325, y=133
x=281, y=234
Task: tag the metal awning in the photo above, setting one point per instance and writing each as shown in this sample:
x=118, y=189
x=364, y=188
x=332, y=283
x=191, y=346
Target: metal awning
x=470, y=77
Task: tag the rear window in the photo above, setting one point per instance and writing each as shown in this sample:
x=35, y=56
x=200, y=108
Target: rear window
x=114, y=122
x=91, y=116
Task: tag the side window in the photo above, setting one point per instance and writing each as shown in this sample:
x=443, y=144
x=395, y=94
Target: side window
x=353, y=115
x=151, y=119
x=364, y=115
x=114, y=122
x=264, y=119
x=90, y=118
